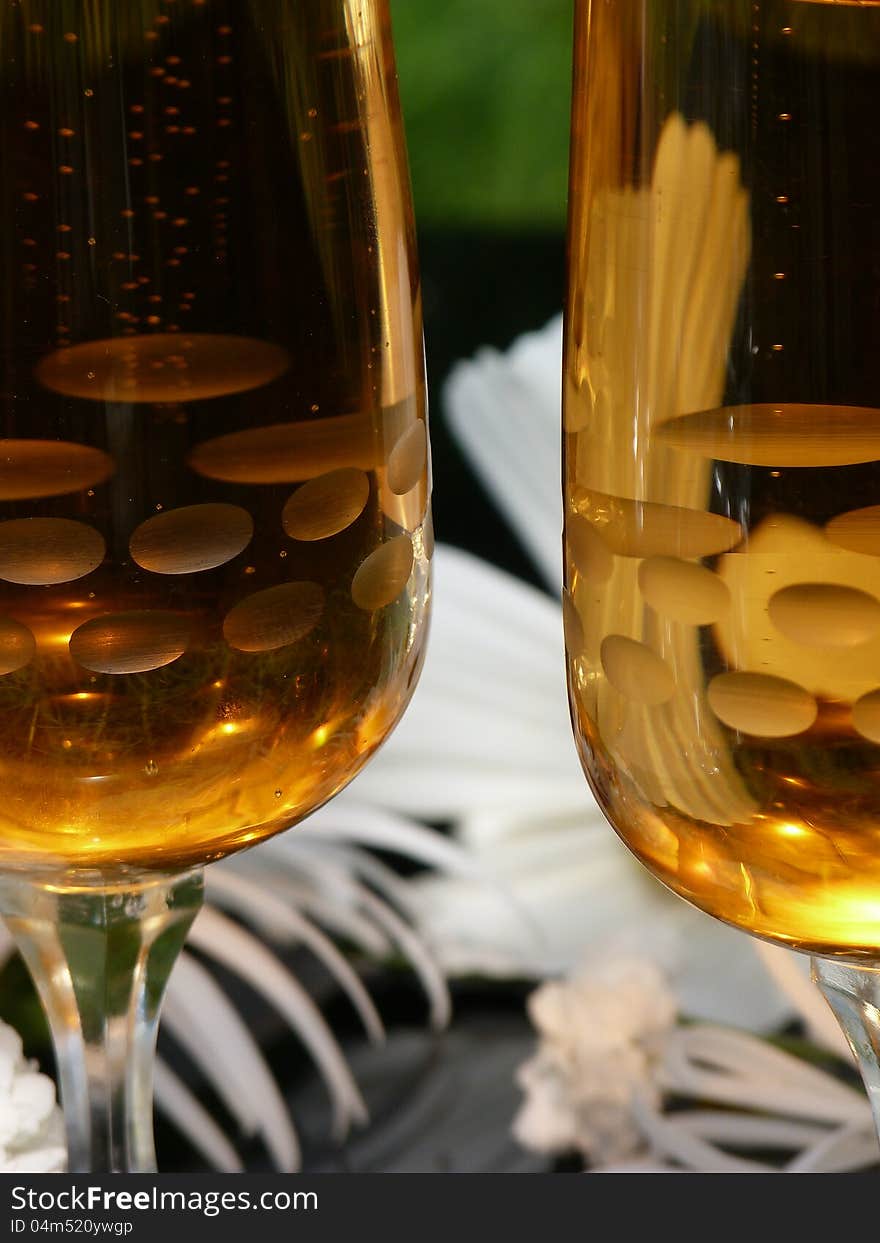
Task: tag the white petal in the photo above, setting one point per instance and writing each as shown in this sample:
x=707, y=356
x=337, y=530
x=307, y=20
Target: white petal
x=365, y=866
x=471, y=721
x=728, y=1067
x=205, y=1023
x=506, y=412
x=279, y=921
x=792, y=973
x=300, y=891
x=417, y=952
x=750, y=1131
x=225, y=942
x=849, y=1148
x=177, y=1102
x=678, y=1144
x=346, y=821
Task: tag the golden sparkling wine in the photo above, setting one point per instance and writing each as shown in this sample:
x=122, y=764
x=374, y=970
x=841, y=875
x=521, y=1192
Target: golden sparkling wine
x=214, y=518
x=722, y=455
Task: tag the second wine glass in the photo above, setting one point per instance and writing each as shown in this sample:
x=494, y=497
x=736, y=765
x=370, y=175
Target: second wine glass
x=722, y=440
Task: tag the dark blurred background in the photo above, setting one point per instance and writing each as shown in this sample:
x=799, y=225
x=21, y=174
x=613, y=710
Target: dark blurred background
x=485, y=86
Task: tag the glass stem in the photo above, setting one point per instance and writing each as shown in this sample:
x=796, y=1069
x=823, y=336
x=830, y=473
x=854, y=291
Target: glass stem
x=100, y=959
x=853, y=993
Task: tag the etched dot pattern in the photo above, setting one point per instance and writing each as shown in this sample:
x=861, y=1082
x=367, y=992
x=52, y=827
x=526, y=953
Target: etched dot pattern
x=135, y=642
x=274, y=618
x=32, y=469
x=647, y=529
x=325, y=506
x=636, y=671
x=45, y=551
x=384, y=574
x=192, y=539
x=291, y=452
x=592, y=558
x=866, y=716
x=784, y=435
x=17, y=645
x=407, y=460
x=683, y=591
x=857, y=531
x=760, y=704
x=162, y=368
x=824, y=615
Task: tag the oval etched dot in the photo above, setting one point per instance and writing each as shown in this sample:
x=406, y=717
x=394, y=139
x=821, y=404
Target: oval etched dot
x=760, y=704
x=135, y=642
x=275, y=617
x=683, y=591
x=43, y=551
x=783, y=435
x=825, y=614
x=293, y=452
x=636, y=671
x=866, y=716
x=382, y=577
x=17, y=645
x=572, y=627
x=191, y=539
x=592, y=558
x=31, y=469
x=327, y=505
x=406, y=512
x=649, y=529
x=408, y=458
x=857, y=531
x=162, y=367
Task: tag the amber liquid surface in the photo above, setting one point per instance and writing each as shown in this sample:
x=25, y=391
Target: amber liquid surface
x=722, y=444
x=214, y=525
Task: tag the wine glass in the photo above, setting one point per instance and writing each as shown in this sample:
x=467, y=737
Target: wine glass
x=722, y=464
x=214, y=524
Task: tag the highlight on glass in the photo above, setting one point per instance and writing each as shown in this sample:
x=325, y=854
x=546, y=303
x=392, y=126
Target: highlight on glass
x=722, y=463
x=214, y=491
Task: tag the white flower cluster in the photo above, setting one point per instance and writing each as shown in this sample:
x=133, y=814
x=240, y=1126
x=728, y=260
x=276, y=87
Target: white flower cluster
x=612, y=1059
x=31, y=1127
x=602, y=1035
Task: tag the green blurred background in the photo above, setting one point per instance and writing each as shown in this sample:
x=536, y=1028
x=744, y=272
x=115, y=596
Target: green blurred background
x=485, y=89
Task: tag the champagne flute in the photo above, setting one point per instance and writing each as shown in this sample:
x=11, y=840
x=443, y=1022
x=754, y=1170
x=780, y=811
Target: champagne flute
x=214, y=523
x=722, y=464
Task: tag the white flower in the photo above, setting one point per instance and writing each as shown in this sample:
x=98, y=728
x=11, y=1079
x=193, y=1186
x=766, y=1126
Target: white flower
x=486, y=743
x=617, y=1080
x=601, y=1039
x=31, y=1129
